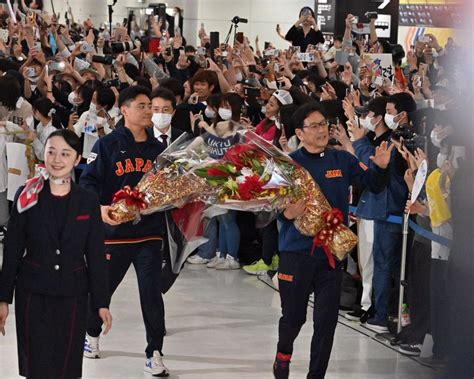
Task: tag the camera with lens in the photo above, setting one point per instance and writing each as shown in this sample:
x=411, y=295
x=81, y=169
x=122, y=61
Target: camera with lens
x=237, y=19
x=403, y=132
x=112, y=83
x=409, y=138
x=103, y=59
x=417, y=142
x=115, y=48
x=120, y=47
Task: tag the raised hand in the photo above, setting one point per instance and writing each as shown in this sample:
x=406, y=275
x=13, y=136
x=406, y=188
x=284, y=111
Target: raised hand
x=356, y=130
x=383, y=154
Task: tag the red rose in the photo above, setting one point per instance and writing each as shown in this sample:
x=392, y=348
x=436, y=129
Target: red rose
x=250, y=188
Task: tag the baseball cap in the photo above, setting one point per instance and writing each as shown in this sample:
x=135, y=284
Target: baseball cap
x=376, y=105
x=283, y=97
x=91, y=71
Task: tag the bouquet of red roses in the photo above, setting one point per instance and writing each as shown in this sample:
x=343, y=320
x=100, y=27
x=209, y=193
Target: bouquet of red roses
x=253, y=176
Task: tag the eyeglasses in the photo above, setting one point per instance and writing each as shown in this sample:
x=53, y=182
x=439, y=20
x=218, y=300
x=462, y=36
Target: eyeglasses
x=315, y=125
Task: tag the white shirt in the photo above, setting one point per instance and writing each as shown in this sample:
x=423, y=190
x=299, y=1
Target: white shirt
x=81, y=124
x=91, y=134
x=158, y=135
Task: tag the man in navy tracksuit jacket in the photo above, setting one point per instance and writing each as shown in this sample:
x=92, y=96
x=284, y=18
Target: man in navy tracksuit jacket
x=302, y=270
x=117, y=160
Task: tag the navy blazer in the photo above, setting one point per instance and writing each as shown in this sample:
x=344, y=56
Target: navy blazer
x=37, y=262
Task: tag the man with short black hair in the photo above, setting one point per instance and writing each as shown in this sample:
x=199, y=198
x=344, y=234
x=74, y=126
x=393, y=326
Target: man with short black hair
x=304, y=270
x=399, y=107
x=388, y=237
x=117, y=160
x=371, y=133
x=163, y=103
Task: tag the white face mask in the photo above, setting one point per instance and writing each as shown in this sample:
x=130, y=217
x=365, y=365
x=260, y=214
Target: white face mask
x=390, y=121
x=93, y=108
x=238, y=76
x=71, y=97
x=263, y=110
x=226, y=114
x=210, y=114
x=367, y=123
x=161, y=120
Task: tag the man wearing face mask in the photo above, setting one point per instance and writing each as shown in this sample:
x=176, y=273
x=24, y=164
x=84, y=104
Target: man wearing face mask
x=31, y=72
x=163, y=104
x=98, y=121
x=387, y=236
x=371, y=133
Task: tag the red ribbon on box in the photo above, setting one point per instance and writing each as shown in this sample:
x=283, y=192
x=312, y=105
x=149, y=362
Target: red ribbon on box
x=333, y=218
x=132, y=197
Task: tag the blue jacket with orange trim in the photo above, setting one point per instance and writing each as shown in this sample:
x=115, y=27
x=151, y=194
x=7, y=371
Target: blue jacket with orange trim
x=334, y=171
x=116, y=161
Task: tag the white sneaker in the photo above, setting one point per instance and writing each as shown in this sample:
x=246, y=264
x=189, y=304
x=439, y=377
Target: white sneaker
x=197, y=260
x=91, y=347
x=215, y=261
x=155, y=365
x=229, y=263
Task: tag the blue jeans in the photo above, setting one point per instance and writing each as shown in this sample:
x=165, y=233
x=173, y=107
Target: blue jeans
x=387, y=259
x=208, y=250
x=229, y=234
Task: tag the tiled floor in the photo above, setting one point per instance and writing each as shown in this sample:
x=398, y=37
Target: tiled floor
x=222, y=325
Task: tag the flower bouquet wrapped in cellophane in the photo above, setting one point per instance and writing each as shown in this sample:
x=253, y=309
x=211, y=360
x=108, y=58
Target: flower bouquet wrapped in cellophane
x=167, y=184
x=253, y=176
x=256, y=176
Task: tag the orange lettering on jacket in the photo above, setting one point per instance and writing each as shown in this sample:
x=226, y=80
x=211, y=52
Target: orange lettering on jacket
x=331, y=174
x=120, y=171
x=130, y=166
x=148, y=166
x=285, y=277
x=139, y=162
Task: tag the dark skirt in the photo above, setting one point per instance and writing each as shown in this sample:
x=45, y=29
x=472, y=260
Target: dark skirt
x=50, y=335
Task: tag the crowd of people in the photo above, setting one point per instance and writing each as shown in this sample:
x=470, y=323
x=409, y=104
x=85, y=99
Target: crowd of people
x=95, y=107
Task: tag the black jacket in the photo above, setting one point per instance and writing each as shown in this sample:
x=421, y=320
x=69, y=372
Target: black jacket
x=71, y=266
x=175, y=133
x=297, y=38
x=117, y=161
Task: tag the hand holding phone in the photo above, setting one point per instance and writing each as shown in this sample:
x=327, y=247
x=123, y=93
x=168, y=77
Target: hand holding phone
x=193, y=99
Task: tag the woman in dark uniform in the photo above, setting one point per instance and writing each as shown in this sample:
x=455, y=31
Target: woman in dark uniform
x=53, y=258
